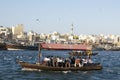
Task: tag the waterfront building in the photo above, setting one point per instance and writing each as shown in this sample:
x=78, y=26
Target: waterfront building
x=17, y=31
x=5, y=33
x=43, y=36
x=4, y=30
x=70, y=37
x=31, y=36
x=54, y=37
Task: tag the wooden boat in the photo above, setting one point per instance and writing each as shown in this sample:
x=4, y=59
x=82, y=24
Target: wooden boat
x=42, y=66
x=81, y=53
x=20, y=47
x=29, y=66
x=3, y=46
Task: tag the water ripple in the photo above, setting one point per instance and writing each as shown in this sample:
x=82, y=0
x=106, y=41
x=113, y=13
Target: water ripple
x=10, y=70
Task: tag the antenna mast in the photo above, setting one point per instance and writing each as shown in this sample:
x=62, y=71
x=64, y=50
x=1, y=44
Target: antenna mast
x=72, y=29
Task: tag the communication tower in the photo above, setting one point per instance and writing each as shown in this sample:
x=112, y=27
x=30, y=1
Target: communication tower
x=72, y=29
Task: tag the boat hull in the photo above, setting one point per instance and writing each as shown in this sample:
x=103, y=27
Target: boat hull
x=26, y=65
x=3, y=46
x=20, y=47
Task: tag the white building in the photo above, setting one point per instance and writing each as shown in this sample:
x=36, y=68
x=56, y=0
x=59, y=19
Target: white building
x=70, y=37
x=54, y=37
x=43, y=36
x=31, y=35
x=4, y=30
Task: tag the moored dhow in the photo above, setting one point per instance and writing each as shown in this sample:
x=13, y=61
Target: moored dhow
x=3, y=46
x=20, y=47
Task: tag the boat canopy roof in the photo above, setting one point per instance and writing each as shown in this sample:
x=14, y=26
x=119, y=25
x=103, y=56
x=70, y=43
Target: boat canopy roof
x=52, y=46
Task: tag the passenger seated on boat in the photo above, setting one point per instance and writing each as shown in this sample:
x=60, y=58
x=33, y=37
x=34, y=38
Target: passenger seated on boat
x=55, y=63
x=51, y=60
x=77, y=62
x=89, y=60
x=46, y=61
x=73, y=60
x=67, y=62
x=84, y=61
x=60, y=62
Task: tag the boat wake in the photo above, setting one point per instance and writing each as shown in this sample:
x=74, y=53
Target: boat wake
x=66, y=72
x=29, y=69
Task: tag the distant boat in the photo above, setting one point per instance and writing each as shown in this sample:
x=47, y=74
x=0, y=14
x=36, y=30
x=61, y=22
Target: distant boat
x=81, y=53
x=43, y=66
x=3, y=46
x=20, y=47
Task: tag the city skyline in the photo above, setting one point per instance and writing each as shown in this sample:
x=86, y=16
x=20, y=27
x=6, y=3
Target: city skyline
x=45, y=16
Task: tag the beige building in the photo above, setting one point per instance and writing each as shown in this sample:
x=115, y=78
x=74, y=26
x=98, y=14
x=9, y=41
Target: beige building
x=18, y=29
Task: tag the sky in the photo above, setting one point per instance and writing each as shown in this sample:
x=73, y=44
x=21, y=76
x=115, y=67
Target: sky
x=46, y=16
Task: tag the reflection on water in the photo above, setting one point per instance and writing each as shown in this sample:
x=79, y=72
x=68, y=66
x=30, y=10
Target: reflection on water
x=10, y=70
